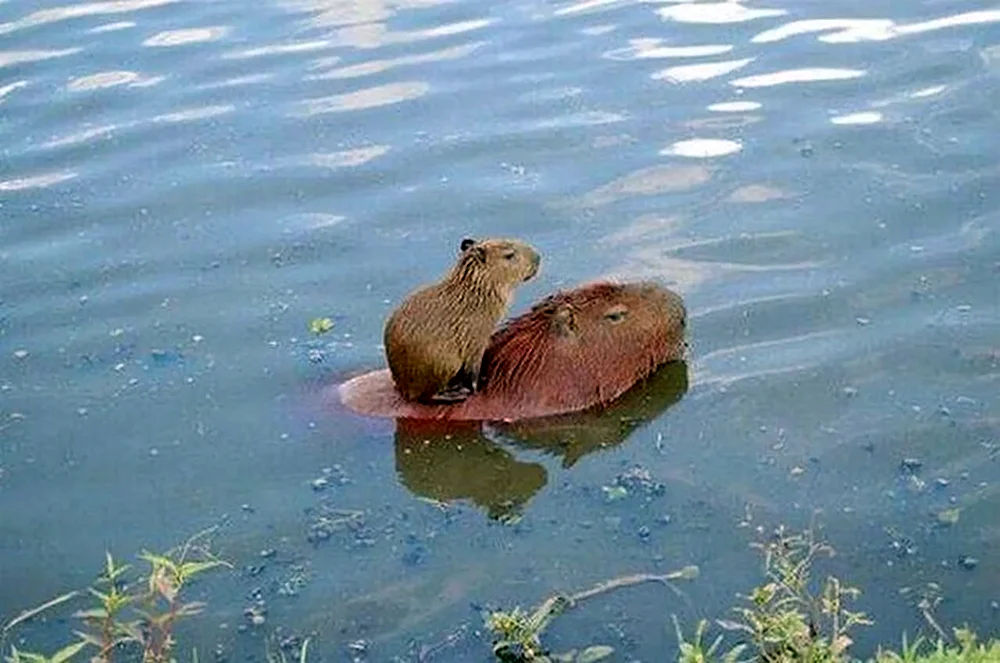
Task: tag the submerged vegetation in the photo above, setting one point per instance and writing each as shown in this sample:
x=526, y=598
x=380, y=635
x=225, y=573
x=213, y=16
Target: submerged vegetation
x=788, y=618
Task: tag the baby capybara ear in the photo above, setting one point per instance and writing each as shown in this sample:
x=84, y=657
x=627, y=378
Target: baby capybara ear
x=563, y=320
x=466, y=243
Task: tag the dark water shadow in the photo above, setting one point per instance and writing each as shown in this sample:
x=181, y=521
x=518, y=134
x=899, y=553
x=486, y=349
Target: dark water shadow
x=450, y=461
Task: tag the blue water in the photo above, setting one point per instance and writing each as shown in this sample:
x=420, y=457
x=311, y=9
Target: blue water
x=185, y=185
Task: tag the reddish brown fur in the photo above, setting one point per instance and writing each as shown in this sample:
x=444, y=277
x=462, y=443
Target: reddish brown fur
x=564, y=355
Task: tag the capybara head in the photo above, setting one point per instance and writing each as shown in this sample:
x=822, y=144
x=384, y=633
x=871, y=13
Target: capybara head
x=506, y=261
x=584, y=347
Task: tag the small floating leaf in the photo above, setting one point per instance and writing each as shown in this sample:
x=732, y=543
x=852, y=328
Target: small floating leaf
x=948, y=516
x=595, y=653
x=613, y=493
x=320, y=325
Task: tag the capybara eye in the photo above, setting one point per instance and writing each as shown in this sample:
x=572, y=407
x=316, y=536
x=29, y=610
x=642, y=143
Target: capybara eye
x=616, y=314
x=510, y=255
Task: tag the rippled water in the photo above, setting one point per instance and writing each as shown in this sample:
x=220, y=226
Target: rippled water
x=184, y=185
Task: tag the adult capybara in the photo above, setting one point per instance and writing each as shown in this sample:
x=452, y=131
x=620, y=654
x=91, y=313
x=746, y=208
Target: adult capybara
x=573, y=350
x=435, y=339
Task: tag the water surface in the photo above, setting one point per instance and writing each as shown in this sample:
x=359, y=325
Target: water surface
x=185, y=185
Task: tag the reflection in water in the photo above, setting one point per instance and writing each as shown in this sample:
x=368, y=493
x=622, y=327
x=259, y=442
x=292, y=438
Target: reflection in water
x=797, y=76
x=346, y=158
x=700, y=72
x=36, y=181
x=102, y=80
x=843, y=30
x=756, y=193
x=715, y=12
x=660, y=257
x=452, y=461
x=871, y=117
x=79, y=137
x=847, y=31
x=7, y=89
x=10, y=58
x=702, y=148
x=379, y=66
x=380, y=95
x=446, y=462
x=188, y=36
x=586, y=5
x=54, y=14
x=643, y=49
x=112, y=27
x=279, y=49
x=650, y=181
x=734, y=106
x=190, y=114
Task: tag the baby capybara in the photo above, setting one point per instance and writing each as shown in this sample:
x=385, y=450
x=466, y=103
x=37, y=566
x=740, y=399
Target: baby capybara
x=435, y=339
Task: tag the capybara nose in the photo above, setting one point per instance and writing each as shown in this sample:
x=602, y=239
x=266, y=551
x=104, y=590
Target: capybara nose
x=536, y=260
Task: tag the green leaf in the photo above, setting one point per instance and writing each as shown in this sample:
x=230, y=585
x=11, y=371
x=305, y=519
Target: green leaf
x=613, y=493
x=68, y=652
x=93, y=613
x=189, y=569
x=320, y=325
x=948, y=516
x=595, y=653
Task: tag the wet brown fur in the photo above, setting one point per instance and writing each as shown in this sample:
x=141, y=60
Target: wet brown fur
x=584, y=347
x=436, y=338
x=566, y=354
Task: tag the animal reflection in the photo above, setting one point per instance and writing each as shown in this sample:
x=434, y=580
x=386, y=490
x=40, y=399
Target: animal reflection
x=450, y=461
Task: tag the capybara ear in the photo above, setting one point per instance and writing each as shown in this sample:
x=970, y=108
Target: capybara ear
x=563, y=320
x=475, y=252
x=466, y=243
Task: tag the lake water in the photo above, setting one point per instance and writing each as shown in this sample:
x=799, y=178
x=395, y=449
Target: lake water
x=185, y=185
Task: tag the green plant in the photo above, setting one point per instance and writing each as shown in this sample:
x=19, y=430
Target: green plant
x=519, y=634
x=968, y=650
x=695, y=652
x=143, y=617
x=784, y=619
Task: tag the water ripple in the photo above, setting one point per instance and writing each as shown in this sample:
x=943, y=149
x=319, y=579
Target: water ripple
x=379, y=66
x=380, y=95
x=702, y=148
x=848, y=31
x=112, y=27
x=700, y=72
x=734, y=106
x=868, y=117
x=815, y=74
x=9, y=58
x=55, y=14
x=104, y=79
x=36, y=181
x=7, y=89
x=279, y=49
x=186, y=36
x=648, y=49
x=715, y=12
x=346, y=158
x=190, y=114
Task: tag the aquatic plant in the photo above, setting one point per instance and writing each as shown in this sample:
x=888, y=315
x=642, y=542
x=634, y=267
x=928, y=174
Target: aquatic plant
x=519, y=633
x=142, y=615
x=785, y=621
